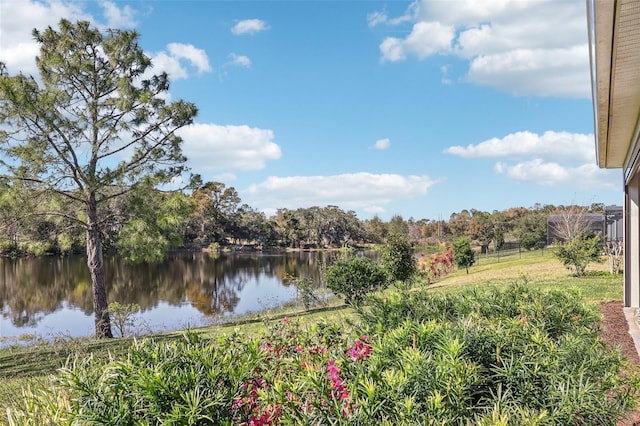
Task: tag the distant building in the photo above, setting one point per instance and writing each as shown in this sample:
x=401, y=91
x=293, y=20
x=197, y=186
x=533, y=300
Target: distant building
x=557, y=225
x=609, y=224
x=613, y=223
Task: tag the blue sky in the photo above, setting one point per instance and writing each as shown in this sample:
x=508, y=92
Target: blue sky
x=417, y=108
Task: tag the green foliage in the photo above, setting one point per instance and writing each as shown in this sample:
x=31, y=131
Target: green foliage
x=157, y=223
x=66, y=243
x=487, y=357
x=531, y=230
x=37, y=248
x=397, y=258
x=140, y=242
x=463, y=253
x=306, y=291
x=535, y=354
x=123, y=317
x=318, y=227
x=9, y=248
x=528, y=243
x=355, y=278
x=578, y=252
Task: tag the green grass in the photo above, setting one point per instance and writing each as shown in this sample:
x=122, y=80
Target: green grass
x=20, y=365
x=541, y=270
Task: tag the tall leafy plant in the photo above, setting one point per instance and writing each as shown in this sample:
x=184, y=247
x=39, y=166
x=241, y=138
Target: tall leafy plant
x=463, y=253
x=398, y=259
x=579, y=251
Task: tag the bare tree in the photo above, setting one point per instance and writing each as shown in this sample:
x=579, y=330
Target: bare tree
x=570, y=222
x=615, y=251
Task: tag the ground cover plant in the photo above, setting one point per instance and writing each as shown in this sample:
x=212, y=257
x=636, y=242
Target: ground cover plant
x=510, y=355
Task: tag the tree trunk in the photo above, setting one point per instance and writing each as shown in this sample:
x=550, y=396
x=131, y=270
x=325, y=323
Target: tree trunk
x=96, y=269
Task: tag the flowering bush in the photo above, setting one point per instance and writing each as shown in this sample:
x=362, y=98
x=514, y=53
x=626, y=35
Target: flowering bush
x=512, y=356
x=438, y=265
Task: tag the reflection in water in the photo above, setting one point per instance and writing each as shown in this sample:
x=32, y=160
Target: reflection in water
x=40, y=295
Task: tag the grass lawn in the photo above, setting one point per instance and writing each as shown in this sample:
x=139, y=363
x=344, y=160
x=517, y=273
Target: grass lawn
x=541, y=270
x=20, y=366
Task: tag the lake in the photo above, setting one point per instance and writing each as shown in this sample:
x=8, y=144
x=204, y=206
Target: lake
x=51, y=297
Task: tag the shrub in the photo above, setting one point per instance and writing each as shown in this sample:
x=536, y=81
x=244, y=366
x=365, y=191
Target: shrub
x=123, y=316
x=307, y=292
x=527, y=355
x=511, y=356
x=398, y=259
x=140, y=242
x=528, y=243
x=578, y=252
x=463, y=253
x=354, y=278
x=65, y=243
x=438, y=265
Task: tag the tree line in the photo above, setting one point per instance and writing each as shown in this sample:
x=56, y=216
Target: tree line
x=145, y=223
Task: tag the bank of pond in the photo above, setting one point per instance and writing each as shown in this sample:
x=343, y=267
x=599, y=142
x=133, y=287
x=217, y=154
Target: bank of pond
x=50, y=297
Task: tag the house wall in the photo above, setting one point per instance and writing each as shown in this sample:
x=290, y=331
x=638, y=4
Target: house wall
x=632, y=241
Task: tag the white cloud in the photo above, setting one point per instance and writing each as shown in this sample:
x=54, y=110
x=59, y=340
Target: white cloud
x=571, y=147
x=550, y=159
x=526, y=47
x=382, y=17
x=227, y=148
x=196, y=57
x=358, y=191
x=225, y=177
x=376, y=18
x=235, y=60
x=178, y=55
x=249, y=26
x=545, y=173
x=161, y=62
x=551, y=72
x=19, y=17
x=118, y=17
x=382, y=143
x=425, y=39
x=239, y=60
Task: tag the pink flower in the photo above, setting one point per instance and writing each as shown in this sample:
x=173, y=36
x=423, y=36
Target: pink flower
x=286, y=320
x=318, y=350
x=338, y=385
x=360, y=349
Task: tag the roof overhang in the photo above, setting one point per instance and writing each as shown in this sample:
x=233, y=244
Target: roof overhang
x=614, y=42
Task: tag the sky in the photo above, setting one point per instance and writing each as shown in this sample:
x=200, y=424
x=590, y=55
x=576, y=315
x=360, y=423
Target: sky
x=412, y=108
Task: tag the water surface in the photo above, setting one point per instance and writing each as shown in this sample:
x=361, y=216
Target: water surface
x=51, y=296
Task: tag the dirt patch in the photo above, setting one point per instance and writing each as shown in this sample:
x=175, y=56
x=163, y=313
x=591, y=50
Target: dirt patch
x=615, y=333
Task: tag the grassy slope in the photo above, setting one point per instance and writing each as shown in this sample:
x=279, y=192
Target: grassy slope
x=19, y=365
x=539, y=269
